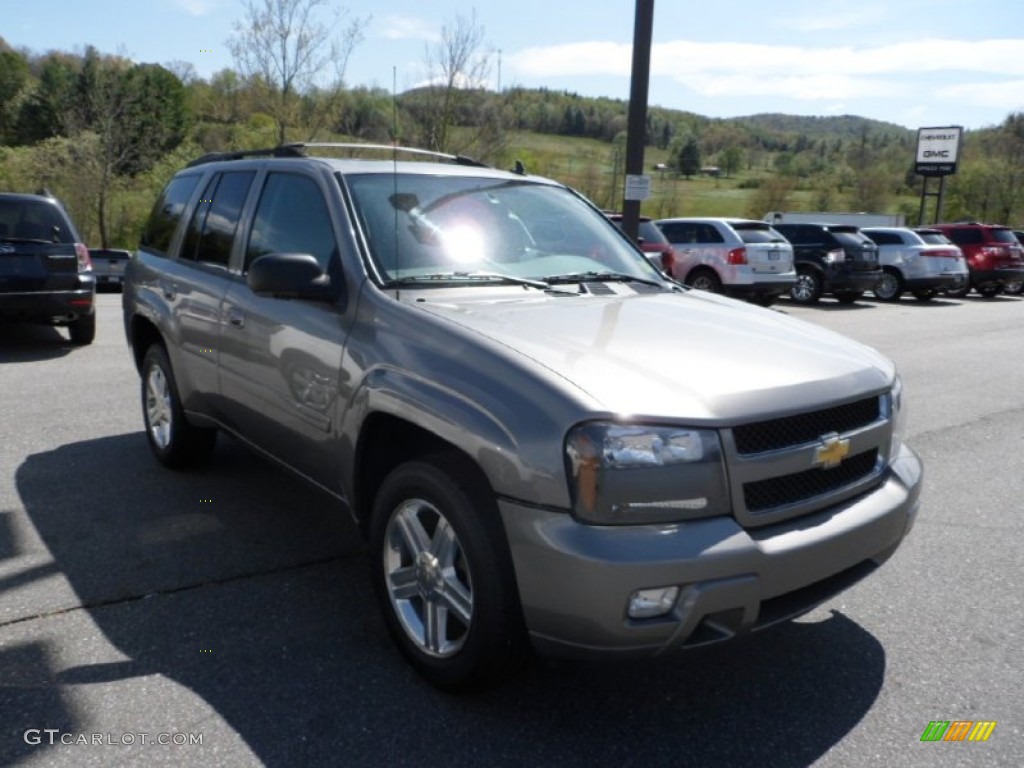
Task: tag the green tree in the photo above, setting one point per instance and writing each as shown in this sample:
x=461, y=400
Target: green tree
x=282, y=47
x=688, y=159
x=13, y=77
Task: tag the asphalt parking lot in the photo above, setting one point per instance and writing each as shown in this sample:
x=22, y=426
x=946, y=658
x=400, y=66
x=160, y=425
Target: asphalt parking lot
x=228, y=613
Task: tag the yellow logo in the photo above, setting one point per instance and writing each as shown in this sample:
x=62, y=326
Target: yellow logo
x=831, y=452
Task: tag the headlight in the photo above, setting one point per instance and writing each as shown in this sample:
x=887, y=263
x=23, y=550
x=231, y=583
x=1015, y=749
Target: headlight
x=897, y=413
x=633, y=474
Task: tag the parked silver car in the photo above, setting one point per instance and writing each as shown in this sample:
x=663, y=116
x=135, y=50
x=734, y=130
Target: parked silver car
x=738, y=257
x=546, y=442
x=910, y=263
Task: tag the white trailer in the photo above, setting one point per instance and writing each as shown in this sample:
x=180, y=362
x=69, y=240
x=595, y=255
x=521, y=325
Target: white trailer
x=827, y=217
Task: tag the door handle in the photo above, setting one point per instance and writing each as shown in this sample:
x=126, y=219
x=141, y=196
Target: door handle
x=236, y=318
x=170, y=290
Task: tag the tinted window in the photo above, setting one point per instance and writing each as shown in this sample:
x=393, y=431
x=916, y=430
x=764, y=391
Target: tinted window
x=851, y=239
x=212, y=229
x=651, y=234
x=799, y=235
x=166, y=213
x=964, y=236
x=756, y=232
x=934, y=238
x=1003, y=236
x=884, y=238
x=34, y=220
x=291, y=217
x=684, y=232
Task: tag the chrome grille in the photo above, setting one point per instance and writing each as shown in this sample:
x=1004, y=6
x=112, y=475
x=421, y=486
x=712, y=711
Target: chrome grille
x=803, y=428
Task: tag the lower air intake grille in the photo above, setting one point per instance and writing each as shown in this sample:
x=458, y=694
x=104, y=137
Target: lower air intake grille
x=776, y=492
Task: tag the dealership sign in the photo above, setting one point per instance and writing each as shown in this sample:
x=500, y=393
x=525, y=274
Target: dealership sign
x=937, y=150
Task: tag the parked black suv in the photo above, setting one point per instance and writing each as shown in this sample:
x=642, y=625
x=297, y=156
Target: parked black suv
x=45, y=270
x=831, y=258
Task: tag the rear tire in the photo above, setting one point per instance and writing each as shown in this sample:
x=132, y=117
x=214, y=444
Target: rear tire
x=442, y=573
x=989, y=291
x=889, y=286
x=175, y=443
x=925, y=294
x=705, y=280
x=808, y=286
x=83, y=330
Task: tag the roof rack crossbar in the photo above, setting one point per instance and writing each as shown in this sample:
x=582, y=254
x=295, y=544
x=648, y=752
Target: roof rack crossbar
x=457, y=159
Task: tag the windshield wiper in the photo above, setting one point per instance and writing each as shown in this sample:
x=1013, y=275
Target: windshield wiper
x=487, y=277
x=601, y=277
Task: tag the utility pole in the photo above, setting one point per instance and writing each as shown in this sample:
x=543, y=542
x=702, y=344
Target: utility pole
x=636, y=128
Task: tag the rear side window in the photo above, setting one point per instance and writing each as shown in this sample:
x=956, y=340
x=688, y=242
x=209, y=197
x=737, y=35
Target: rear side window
x=166, y=214
x=211, y=232
x=1004, y=236
x=684, y=232
x=885, y=238
x=292, y=217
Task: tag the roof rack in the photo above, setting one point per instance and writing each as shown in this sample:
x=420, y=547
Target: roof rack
x=298, y=149
x=284, y=150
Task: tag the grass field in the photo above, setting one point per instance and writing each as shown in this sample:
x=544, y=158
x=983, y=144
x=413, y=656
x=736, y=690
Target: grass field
x=596, y=168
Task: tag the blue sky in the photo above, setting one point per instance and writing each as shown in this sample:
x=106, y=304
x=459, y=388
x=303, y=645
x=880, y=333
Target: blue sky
x=912, y=62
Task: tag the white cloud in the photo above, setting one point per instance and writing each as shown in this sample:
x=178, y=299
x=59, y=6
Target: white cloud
x=834, y=17
x=1007, y=95
x=195, y=7
x=409, y=28
x=997, y=57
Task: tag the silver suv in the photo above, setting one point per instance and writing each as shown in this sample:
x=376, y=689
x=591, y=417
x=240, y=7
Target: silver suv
x=739, y=257
x=547, y=443
x=909, y=263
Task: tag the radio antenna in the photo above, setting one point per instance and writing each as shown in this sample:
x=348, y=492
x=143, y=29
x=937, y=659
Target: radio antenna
x=394, y=168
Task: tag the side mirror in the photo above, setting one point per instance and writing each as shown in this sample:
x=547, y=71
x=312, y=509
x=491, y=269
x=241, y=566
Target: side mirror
x=290, y=276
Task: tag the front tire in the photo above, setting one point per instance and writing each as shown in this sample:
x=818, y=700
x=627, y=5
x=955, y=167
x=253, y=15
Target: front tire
x=848, y=297
x=175, y=443
x=443, y=576
x=925, y=294
x=1013, y=288
x=989, y=291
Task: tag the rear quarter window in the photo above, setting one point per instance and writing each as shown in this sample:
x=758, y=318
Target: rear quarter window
x=166, y=214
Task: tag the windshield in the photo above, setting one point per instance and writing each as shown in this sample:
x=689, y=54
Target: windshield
x=471, y=228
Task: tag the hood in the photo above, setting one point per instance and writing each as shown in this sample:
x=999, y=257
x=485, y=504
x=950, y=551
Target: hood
x=690, y=356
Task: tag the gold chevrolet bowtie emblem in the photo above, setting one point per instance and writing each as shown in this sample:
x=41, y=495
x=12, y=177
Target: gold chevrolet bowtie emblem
x=831, y=452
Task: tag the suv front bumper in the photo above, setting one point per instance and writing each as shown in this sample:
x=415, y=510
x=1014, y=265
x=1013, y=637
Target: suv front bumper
x=575, y=580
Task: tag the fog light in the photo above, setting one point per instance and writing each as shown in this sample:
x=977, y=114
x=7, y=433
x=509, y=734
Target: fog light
x=648, y=603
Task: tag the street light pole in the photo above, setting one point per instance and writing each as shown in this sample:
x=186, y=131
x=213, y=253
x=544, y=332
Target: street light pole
x=636, y=128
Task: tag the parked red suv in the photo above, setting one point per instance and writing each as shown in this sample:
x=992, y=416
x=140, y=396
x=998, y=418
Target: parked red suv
x=994, y=256
x=652, y=242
